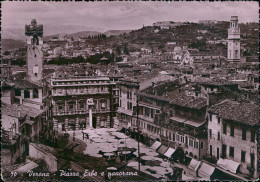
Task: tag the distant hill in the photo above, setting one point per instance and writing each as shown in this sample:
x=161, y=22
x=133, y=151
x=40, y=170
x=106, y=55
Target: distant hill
x=84, y=34
x=9, y=44
x=116, y=32
x=74, y=35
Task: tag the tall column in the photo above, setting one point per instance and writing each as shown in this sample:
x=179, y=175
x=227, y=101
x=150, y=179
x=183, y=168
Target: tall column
x=66, y=124
x=87, y=122
x=31, y=94
x=77, y=123
x=90, y=117
x=22, y=93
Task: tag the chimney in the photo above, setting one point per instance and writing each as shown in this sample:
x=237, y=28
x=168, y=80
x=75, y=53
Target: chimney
x=19, y=112
x=207, y=100
x=21, y=100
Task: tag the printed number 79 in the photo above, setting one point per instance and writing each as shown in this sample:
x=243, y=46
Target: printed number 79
x=13, y=173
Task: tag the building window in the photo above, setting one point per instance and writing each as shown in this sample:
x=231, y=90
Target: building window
x=232, y=130
x=243, y=134
x=210, y=133
x=81, y=106
x=218, y=120
x=252, y=136
x=152, y=113
x=60, y=107
x=170, y=136
x=231, y=152
x=35, y=93
x=190, y=142
x=217, y=153
x=210, y=116
x=196, y=145
x=243, y=156
x=173, y=137
x=218, y=135
x=26, y=93
x=225, y=128
x=210, y=150
x=17, y=92
x=201, y=145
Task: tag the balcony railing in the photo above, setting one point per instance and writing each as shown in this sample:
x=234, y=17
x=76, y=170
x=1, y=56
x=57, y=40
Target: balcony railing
x=123, y=110
x=92, y=92
x=61, y=113
x=146, y=118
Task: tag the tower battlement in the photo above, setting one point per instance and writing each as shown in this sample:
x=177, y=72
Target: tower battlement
x=33, y=29
x=234, y=18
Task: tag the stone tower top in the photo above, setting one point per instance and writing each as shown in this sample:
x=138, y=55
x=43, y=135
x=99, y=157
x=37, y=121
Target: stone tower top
x=234, y=18
x=33, y=29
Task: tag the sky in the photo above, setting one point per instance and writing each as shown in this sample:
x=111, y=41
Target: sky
x=69, y=17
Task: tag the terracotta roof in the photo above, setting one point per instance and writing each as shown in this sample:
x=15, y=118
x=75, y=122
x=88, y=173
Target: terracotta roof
x=241, y=112
x=189, y=101
x=25, y=84
x=12, y=110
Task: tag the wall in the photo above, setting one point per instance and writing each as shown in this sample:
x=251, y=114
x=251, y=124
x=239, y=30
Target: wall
x=215, y=128
x=239, y=145
x=38, y=153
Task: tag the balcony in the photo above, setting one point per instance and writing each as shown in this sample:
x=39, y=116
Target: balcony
x=146, y=118
x=90, y=92
x=95, y=111
x=124, y=111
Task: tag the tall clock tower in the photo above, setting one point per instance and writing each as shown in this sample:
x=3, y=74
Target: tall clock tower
x=233, y=40
x=34, y=42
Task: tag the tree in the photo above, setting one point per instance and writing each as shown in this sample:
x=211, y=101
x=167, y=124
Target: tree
x=118, y=51
x=126, y=50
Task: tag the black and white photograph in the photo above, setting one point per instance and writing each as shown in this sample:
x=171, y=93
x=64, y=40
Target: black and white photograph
x=129, y=91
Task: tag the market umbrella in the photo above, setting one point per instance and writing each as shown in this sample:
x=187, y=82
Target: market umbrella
x=132, y=164
x=108, y=154
x=147, y=158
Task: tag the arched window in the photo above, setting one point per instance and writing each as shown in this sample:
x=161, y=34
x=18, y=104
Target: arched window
x=17, y=92
x=35, y=93
x=191, y=154
x=26, y=93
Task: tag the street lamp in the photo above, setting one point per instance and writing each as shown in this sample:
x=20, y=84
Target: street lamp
x=138, y=138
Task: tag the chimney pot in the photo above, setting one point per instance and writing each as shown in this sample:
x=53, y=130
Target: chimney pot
x=19, y=112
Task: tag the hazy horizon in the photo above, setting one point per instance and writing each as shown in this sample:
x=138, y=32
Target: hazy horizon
x=103, y=16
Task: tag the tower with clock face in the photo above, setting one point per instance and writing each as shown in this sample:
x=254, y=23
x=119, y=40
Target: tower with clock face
x=233, y=40
x=34, y=60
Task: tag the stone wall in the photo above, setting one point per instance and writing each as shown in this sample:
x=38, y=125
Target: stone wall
x=39, y=153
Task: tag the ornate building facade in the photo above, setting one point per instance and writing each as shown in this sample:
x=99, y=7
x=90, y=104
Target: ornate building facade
x=81, y=101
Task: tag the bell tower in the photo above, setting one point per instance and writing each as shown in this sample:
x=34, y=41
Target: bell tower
x=233, y=40
x=34, y=60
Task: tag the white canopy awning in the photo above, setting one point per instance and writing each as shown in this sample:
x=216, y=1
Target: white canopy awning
x=228, y=165
x=156, y=145
x=29, y=166
x=206, y=170
x=194, y=164
x=169, y=152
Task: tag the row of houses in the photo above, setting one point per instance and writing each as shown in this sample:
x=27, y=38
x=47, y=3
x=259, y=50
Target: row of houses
x=207, y=122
